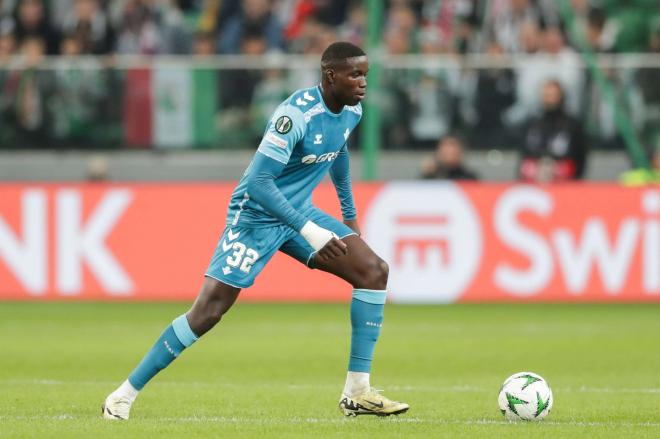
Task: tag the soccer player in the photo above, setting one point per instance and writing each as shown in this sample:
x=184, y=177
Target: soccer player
x=271, y=210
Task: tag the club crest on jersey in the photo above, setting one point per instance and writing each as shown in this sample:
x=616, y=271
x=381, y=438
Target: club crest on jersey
x=283, y=124
x=318, y=139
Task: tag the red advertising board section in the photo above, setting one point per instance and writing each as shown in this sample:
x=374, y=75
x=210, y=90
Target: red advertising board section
x=444, y=242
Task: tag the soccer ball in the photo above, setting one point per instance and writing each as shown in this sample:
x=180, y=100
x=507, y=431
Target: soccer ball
x=526, y=396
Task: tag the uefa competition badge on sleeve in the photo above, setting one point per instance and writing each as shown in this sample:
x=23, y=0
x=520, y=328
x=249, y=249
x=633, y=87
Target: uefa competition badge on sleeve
x=283, y=124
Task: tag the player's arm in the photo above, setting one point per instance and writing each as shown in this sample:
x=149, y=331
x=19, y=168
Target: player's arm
x=341, y=177
x=286, y=128
x=262, y=189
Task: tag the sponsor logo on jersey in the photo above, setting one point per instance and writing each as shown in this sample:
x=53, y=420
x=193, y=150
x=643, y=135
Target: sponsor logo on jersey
x=277, y=141
x=283, y=124
x=313, y=158
x=309, y=159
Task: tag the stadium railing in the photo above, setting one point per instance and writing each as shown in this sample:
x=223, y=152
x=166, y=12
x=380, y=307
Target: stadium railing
x=224, y=101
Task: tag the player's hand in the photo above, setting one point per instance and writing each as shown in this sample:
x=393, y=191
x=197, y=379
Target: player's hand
x=333, y=249
x=353, y=224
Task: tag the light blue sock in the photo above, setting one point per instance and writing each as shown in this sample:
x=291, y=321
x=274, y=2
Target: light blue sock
x=171, y=343
x=366, y=320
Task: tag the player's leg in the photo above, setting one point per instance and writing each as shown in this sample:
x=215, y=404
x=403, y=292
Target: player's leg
x=239, y=257
x=368, y=274
x=214, y=299
x=211, y=304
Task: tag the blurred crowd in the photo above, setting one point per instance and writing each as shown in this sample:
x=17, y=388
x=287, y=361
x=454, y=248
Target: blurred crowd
x=489, y=108
x=302, y=26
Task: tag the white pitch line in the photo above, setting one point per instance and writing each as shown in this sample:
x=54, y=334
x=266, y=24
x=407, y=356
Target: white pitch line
x=335, y=421
x=309, y=386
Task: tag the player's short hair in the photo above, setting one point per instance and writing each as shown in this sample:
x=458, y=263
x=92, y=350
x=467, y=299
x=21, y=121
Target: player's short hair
x=338, y=52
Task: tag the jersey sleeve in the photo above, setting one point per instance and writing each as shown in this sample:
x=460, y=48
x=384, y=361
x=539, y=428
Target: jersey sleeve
x=286, y=128
x=341, y=177
x=262, y=189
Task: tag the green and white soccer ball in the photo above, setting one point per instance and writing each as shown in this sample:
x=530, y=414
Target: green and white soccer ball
x=525, y=396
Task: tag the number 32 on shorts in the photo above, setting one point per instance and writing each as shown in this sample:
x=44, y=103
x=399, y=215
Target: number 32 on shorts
x=248, y=256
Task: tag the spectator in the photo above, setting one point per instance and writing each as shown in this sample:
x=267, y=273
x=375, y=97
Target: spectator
x=447, y=163
x=331, y=13
x=401, y=24
x=508, y=20
x=313, y=40
x=32, y=22
x=316, y=37
x=89, y=24
x=455, y=23
x=354, y=28
x=6, y=7
x=649, y=92
x=394, y=99
x=228, y=10
x=139, y=34
x=208, y=18
x=7, y=48
x=204, y=44
x=553, y=149
x=599, y=38
x=176, y=38
x=433, y=94
x=25, y=96
x=555, y=60
x=494, y=93
x=78, y=96
x=531, y=38
x=631, y=22
x=255, y=14
x=148, y=27
x=7, y=39
x=237, y=86
x=268, y=94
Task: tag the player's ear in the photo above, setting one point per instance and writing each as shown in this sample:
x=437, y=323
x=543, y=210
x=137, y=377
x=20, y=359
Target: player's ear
x=330, y=76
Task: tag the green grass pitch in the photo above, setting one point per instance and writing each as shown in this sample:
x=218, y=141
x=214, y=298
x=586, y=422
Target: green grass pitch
x=276, y=371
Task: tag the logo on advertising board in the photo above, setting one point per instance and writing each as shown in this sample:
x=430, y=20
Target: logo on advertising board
x=77, y=243
x=607, y=248
x=431, y=238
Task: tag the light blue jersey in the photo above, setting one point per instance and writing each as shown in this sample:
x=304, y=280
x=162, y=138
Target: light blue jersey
x=307, y=138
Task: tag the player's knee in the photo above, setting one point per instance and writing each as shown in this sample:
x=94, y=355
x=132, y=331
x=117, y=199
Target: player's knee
x=213, y=302
x=215, y=311
x=206, y=317
x=376, y=274
x=383, y=274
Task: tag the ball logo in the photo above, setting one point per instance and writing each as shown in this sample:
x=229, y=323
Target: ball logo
x=309, y=159
x=430, y=236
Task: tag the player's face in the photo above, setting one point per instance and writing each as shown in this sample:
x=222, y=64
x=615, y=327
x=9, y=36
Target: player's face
x=350, y=80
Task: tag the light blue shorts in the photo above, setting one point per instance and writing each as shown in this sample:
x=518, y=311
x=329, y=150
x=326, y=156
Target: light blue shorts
x=243, y=252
